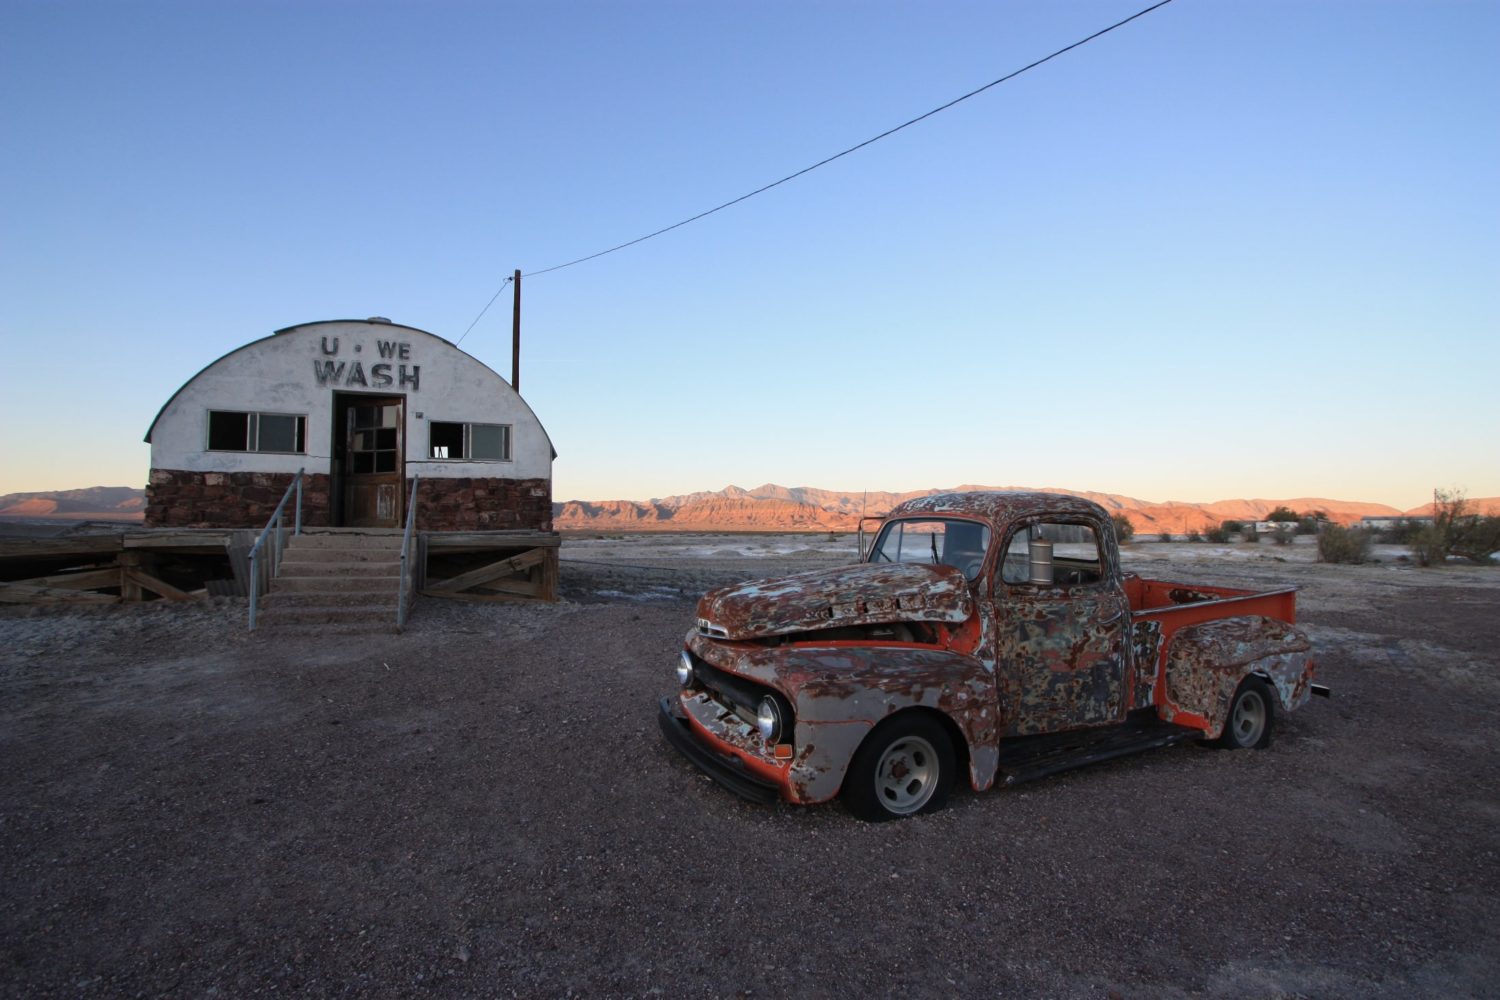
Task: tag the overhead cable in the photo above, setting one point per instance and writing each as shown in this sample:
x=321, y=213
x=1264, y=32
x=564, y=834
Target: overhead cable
x=824, y=162
x=486, y=309
x=862, y=145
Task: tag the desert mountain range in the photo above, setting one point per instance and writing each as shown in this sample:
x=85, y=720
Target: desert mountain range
x=775, y=508
x=102, y=502
x=779, y=508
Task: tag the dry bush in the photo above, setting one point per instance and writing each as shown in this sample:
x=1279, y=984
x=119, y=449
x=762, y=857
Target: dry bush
x=1337, y=544
x=1455, y=531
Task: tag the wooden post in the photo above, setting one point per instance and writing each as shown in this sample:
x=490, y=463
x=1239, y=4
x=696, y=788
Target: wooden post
x=515, y=335
x=549, y=575
x=130, y=591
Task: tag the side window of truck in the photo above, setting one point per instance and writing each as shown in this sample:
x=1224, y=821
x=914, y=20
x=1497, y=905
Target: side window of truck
x=1052, y=554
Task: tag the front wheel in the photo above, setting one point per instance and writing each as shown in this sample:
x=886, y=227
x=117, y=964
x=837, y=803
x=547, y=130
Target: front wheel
x=1252, y=716
x=905, y=767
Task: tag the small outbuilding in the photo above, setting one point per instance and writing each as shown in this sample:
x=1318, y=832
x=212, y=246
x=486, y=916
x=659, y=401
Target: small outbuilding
x=363, y=406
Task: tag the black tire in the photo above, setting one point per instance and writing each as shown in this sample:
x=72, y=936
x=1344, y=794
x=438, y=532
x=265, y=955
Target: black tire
x=905, y=767
x=1251, y=718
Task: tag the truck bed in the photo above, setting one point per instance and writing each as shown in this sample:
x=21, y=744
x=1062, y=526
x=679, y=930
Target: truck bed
x=1180, y=604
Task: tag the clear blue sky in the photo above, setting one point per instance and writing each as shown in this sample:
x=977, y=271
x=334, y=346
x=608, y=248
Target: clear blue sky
x=1232, y=249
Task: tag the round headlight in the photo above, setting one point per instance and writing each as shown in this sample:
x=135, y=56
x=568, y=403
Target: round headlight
x=685, y=669
x=769, y=719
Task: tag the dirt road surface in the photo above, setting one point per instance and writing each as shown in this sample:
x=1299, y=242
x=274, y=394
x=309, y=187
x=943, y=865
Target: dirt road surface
x=483, y=807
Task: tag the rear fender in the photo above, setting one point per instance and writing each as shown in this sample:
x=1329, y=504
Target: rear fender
x=840, y=691
x=1207, y=662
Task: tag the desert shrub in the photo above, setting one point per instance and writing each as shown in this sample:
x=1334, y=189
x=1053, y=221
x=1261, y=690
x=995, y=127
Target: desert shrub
x=1164, y=536
x=1479, y=541
x=1250, y=536
x=1232, y=527
x=1283, y=534
x=1455, y=531
x=1338, y=544
x=1429, y=545
x=1194, y=535
x=1124, y=530
x=1308, y=525
x=1218, y=535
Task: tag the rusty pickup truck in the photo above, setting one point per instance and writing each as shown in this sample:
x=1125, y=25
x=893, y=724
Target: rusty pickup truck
x=987, y=633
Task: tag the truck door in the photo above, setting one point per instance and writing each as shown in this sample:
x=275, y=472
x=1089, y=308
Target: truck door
x=1063, y=628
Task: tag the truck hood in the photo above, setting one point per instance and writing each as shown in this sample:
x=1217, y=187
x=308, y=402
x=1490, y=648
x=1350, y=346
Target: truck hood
x=862, y=594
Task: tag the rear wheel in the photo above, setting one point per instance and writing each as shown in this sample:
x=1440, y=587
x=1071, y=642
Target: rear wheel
x=1252, y=716
x=904, y=767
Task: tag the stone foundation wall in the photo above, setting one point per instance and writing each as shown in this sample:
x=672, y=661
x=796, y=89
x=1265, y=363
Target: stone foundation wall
x=177, y=498
x=484, y=505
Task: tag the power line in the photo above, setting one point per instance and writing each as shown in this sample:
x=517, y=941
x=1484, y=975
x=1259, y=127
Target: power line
x=484, y=310
x=862, y=145
x=824, y=162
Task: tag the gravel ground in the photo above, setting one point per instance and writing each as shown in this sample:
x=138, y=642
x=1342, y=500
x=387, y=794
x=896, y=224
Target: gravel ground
x=483, y=807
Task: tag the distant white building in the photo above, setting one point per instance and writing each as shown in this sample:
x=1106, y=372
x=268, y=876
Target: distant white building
x=363, y=406
x=1384, y=523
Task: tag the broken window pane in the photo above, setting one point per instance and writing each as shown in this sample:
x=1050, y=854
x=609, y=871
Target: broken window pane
x=228, y=431
x=447, y=440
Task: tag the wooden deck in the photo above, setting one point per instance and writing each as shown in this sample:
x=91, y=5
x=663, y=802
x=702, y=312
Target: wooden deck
x=128, y=564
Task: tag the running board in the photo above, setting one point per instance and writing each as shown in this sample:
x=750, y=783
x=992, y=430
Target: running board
x=1027, y=758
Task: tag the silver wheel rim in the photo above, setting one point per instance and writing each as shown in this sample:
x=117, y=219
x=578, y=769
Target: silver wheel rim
x=907, y=775
x=1249, y=718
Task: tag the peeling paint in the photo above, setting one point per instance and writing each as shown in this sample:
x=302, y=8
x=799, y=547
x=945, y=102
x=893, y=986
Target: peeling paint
x=862, y=594
x=1207, y=662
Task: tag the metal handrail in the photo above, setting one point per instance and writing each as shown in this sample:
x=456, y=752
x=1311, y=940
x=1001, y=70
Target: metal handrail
x=280, y=544
x=403, y=584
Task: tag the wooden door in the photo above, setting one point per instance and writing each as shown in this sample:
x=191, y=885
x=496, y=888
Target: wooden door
x=374, y=463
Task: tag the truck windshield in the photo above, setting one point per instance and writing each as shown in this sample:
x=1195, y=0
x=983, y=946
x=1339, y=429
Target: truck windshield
x=934, y=540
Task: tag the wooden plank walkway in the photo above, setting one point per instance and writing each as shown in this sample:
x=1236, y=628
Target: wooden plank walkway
x=117, y=564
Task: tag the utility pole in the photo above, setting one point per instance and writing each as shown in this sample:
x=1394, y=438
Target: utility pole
x=515, y=335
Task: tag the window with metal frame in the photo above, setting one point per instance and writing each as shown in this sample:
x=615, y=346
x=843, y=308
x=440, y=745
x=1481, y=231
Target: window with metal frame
x=236, y=430
x=469, y=442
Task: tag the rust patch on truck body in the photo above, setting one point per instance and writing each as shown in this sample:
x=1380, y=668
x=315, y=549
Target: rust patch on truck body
x=840, y=691
x=1207, y=662
x=862, y=594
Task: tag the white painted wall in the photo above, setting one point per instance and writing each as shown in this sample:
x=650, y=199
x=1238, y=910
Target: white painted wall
x=279, y=374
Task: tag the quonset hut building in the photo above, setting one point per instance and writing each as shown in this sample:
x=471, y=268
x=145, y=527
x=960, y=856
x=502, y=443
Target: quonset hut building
x=362, y=406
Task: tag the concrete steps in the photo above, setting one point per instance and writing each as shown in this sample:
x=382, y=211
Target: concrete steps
x=342, y=580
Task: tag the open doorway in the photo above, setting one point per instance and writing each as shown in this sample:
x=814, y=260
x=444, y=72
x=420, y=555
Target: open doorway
x=369, y=460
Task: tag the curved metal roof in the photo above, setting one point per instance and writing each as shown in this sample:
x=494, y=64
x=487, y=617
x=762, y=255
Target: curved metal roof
x=368, y=322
